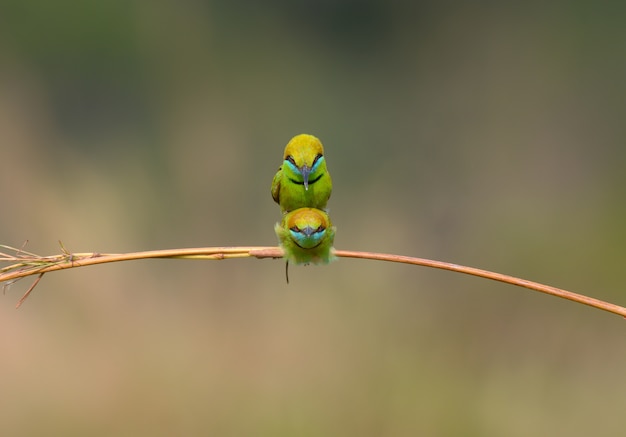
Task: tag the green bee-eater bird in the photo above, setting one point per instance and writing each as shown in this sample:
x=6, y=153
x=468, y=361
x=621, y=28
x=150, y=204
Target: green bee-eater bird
x=303, y=180
x=306, y=236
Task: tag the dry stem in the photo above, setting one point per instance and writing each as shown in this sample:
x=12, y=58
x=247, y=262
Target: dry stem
x=27, y=264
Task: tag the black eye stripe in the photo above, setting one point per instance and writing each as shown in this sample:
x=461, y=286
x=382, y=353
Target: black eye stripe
x=319, y=155
x=290, y=159
x=296, y=229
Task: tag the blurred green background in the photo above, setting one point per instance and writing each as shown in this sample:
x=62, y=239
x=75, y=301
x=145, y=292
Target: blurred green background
x=482, y=133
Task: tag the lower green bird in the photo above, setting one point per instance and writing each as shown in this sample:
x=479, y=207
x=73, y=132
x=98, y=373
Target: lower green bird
x=306, y=236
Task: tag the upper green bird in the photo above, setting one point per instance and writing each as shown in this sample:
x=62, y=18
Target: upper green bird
x=303, y=180
x=306, y=235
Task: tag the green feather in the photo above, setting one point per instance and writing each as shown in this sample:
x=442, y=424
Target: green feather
x=306, y=236
x=303, y=179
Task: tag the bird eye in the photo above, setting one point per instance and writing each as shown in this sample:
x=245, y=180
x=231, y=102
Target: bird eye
x=319, y=155
x=320, y=228
x=290, y=159
x=295, y=229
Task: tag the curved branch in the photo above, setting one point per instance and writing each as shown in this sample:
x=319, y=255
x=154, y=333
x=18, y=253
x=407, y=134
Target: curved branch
x=27, y=264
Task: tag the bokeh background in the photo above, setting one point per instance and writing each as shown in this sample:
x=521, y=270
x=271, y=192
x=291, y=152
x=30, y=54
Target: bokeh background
x=490, y=134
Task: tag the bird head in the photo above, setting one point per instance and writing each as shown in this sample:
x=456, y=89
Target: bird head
x=304, y=156
x=308, y=226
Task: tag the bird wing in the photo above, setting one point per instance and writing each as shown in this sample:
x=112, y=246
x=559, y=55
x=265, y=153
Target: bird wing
x=276, y=185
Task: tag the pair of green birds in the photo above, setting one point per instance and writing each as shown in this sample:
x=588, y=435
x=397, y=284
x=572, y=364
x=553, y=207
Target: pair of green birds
x=302, y=187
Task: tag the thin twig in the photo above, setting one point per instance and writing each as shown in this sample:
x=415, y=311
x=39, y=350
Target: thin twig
x=536, y=286
x=30, y=264
x=19, y=303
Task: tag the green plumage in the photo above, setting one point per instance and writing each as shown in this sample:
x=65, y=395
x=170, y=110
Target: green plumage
x=306, y=236
x=303, y=179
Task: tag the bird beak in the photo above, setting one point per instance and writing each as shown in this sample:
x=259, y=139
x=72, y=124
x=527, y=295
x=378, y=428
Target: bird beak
x=305, y=170
x=308, y=231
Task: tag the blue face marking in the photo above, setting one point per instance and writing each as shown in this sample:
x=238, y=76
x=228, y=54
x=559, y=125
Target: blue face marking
x=296, y=170
x=292, y=167
x=309, y=242
x=317, y=164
